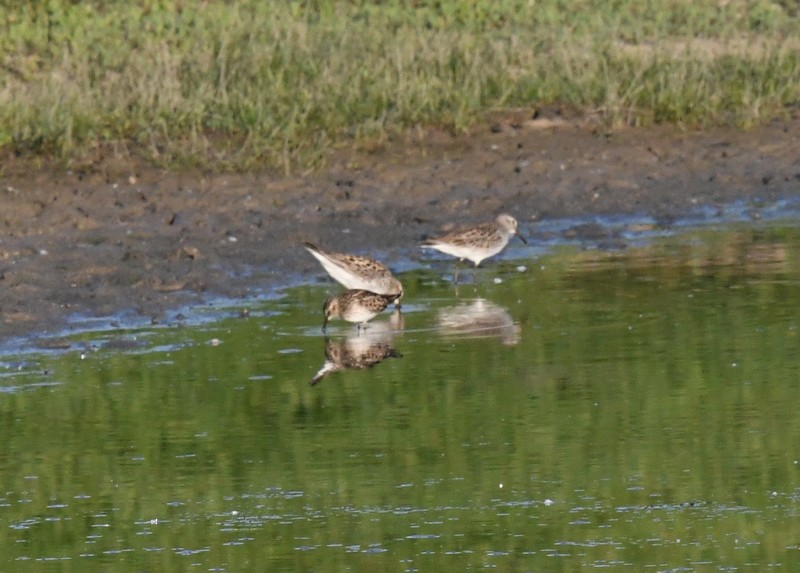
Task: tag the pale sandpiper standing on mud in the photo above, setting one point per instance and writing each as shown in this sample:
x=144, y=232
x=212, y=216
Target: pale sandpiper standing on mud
x=479, y=242
x=358, y=306
x=357, y=272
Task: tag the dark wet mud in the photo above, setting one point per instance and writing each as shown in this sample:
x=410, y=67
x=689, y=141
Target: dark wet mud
x=120, y=239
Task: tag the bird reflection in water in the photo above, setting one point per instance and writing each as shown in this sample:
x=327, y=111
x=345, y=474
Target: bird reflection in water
x=478, y=318
x=361, y=350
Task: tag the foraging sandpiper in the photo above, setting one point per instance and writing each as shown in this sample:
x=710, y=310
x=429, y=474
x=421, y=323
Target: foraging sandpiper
x=358, y=306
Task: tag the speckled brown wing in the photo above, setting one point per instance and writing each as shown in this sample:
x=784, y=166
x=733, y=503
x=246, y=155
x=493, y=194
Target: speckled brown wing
x=363, y=266
x=482, y=236
x=363, y=298
x=358, y=272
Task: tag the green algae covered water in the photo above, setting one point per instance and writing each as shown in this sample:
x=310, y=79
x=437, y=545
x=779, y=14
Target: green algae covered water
x=631, y=410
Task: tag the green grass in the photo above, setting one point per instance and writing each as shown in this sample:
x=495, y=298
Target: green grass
x=255, y=84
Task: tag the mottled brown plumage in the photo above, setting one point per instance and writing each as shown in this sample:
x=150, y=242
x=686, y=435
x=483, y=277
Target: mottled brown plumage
x=358, y=273
x=358, y=306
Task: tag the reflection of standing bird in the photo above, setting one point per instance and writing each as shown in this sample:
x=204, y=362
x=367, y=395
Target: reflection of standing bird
x=357, y=306
x=357, y=272
x=478, y=318
x=479, y=242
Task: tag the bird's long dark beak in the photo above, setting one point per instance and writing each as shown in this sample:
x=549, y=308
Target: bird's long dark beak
x=324, y=324
x=521, y=238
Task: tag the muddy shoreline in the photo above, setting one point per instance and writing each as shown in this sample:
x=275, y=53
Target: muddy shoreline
x=120, y=237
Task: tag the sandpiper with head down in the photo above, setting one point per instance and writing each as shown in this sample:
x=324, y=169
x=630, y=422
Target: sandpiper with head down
x=358, y=306
x=359, y=273
x=479, y=242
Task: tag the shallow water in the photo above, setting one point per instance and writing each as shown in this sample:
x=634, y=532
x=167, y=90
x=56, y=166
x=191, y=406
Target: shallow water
x=633, y=409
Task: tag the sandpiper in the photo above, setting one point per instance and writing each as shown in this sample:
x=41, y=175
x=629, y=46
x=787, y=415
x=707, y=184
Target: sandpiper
x=357, y=272
x=359, y=306
x=479, y=242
